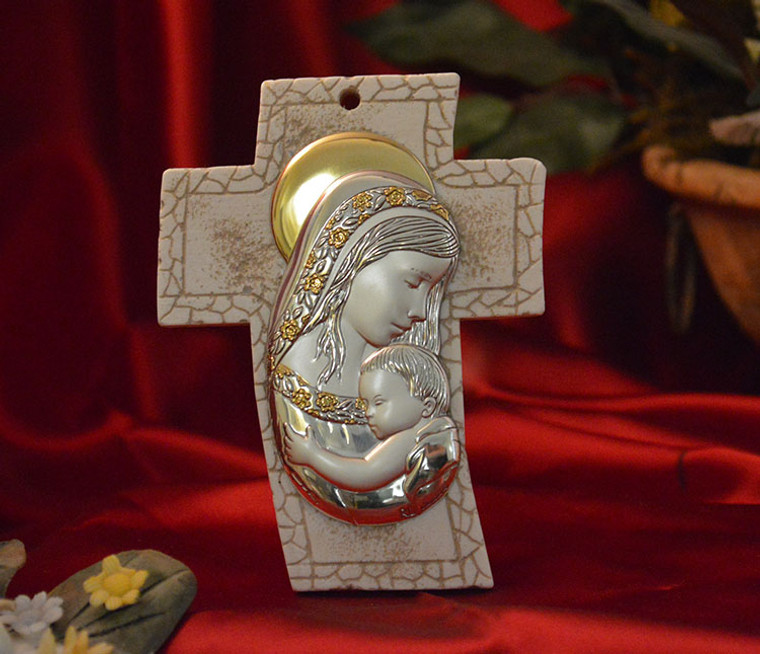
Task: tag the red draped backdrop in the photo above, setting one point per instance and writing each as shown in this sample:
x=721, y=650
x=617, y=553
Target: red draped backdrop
x=616, y=466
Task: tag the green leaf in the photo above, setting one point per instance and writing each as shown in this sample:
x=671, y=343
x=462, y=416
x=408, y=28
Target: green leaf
x=474, y=35
x=700, y=46
x=720, y=22
x=142, y=627
x=480, y=118
x=566, y=132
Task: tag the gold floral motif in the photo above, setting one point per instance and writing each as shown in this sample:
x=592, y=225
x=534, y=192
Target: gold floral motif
x=361, y=404
x=326, y=401
x=395, y=196
x=362, y=201
x=314, y=284
x=442, y=211
x=363, y=217
x=301, y=398
x=321, y=404
x=338, y=237
x=282, y=371
x=310, y=260
x=421, y=195
x=290, y=330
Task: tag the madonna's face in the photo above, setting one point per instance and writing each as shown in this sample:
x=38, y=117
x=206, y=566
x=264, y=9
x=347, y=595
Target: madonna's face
x=390, y=295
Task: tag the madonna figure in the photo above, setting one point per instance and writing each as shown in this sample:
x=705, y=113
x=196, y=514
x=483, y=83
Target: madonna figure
x=368, y=273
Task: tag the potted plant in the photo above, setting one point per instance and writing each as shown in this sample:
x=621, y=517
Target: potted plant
x=674, y=79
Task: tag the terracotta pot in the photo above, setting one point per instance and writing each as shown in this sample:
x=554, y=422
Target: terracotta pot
x=722, y=204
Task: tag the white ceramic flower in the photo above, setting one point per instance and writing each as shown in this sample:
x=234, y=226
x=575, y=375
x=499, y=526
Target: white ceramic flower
x=31, y=617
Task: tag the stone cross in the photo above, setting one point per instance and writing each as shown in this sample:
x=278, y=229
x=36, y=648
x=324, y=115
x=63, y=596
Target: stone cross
x=218, y=264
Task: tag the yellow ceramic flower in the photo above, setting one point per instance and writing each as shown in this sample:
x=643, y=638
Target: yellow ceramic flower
x=75, y=642
x=116, y=586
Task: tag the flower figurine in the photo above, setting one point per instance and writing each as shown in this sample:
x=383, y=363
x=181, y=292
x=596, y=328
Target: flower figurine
x=30, y=617
x=115, y=586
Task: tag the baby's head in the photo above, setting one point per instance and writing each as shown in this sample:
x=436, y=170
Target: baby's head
x=400, y=385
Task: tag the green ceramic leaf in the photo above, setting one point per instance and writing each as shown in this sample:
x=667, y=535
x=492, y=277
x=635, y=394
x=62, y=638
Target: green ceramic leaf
x=12, y=558
x=142, y=627
x=700, y=46
x=567, y=132
x=480, y=118
x=474, y=35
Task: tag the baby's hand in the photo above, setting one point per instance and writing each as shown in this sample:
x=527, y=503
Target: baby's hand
x=297, y=448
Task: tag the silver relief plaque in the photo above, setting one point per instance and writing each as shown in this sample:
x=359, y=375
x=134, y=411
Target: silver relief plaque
x=359, y=396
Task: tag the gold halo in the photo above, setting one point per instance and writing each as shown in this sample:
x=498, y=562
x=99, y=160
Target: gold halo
x=308, y=174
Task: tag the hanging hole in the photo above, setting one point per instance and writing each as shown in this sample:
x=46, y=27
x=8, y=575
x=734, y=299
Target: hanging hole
x=350, y=99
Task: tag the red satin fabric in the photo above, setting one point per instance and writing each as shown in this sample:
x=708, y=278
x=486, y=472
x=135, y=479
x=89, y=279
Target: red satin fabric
x=616, y=466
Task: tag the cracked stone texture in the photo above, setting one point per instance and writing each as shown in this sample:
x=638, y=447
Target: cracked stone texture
x=218, y=264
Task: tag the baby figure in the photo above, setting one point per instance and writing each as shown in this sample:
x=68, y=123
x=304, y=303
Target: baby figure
x=406, y=397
